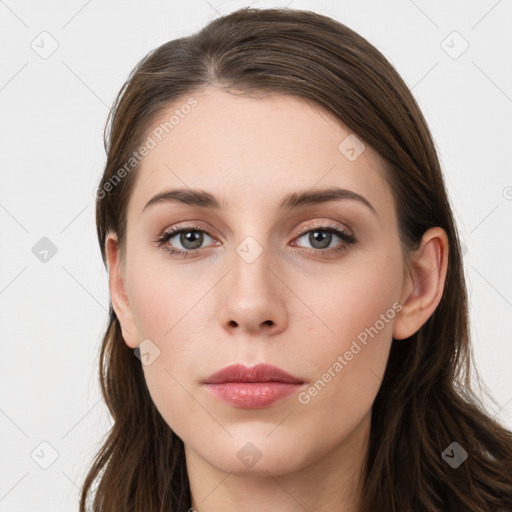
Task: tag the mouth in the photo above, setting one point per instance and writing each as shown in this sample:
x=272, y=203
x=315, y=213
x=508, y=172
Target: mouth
x=252, y=388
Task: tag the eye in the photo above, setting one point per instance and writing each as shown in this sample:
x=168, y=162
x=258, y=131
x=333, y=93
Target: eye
x=321, y=237
x=191, y=238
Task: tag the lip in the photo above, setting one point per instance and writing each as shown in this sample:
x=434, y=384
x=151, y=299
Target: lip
x=252, y=388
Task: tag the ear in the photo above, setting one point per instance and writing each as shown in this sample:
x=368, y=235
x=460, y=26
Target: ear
x=424, y=283
x=120, y=300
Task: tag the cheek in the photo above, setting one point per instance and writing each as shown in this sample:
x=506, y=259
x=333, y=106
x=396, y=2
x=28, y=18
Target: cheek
x=160, y=298
x=166, y=309
x=355, y=296
x=357, y=306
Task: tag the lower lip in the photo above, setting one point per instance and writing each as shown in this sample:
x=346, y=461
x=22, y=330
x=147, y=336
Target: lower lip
x=253, y=395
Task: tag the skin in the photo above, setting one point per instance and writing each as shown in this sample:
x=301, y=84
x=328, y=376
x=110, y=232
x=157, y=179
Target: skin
x=211, y=309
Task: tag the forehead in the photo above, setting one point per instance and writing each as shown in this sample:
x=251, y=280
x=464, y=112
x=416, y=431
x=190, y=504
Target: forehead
x=251, y=152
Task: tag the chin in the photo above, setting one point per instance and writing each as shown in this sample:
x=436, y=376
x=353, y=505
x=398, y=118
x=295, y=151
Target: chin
x=255, y=458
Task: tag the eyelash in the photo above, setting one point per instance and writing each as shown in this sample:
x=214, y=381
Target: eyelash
x=347, y=238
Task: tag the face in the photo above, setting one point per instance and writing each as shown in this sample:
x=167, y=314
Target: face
x=312, y=287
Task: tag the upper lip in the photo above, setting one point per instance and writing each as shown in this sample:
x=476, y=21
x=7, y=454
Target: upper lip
x=258, y=373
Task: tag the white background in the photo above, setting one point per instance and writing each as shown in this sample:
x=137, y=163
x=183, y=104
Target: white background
x=53, y=113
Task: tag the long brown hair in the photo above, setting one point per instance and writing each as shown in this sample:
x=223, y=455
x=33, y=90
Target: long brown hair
x=425, y=402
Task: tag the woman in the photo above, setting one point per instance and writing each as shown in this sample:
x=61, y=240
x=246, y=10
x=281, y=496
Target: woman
x=289, y=322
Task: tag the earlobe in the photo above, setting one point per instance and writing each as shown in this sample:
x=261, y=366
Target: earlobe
x=119, y=297
x=424, y=285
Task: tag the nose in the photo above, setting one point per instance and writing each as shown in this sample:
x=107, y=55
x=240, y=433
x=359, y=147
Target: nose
x=254, y=297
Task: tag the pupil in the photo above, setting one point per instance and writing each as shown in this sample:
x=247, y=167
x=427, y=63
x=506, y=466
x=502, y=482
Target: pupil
x=195, y=238
x=323, y=237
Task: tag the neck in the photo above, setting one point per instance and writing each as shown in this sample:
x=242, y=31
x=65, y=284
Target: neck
x=331, y=482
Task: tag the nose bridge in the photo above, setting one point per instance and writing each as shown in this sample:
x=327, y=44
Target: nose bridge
x=251, y=239
x=251, y=260
x=252, y=248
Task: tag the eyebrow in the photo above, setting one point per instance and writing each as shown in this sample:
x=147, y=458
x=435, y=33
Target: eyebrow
x=295, y=200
